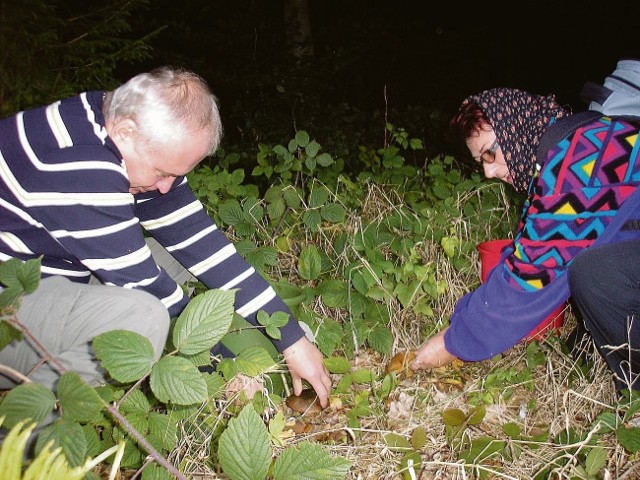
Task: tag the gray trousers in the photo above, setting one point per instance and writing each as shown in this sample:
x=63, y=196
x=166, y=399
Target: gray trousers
x=65, y=317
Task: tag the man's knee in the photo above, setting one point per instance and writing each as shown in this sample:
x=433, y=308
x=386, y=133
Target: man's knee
x=150, y=319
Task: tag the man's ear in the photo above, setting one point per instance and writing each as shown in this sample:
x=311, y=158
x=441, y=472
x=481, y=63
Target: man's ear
x=123, y=130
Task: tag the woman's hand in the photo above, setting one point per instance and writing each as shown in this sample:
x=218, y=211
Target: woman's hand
x=432, y=353
x=305, y=363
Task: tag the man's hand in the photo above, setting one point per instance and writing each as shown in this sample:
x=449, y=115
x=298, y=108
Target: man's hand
x=305, y=363
x=432, y=353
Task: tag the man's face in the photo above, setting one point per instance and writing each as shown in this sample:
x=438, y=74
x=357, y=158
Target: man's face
x=157, y=169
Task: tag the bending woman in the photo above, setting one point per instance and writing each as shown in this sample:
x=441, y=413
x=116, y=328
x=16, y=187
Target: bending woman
x=583, y=204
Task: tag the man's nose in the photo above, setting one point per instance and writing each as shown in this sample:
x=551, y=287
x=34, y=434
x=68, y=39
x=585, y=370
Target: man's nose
x=164, y=184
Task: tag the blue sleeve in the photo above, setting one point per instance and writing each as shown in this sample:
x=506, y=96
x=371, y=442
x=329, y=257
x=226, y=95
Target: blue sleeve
x=496, y=316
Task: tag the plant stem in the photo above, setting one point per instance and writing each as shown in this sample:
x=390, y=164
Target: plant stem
x=14, y=373
x=144, y=443
x=111, y=409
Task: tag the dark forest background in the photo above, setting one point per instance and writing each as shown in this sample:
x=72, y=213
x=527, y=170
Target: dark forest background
x=339, y=69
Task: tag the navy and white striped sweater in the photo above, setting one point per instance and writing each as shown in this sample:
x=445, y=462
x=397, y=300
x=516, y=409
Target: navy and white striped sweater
x=64, y=195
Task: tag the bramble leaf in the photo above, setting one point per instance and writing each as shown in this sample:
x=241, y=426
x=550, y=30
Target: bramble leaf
x=67, y=435
x=204, y=321
x=24, y=275
x=29, y=400
x=629, y=438
x=78, y=400
x=8, y=333
x=176, y=380
x=127, y=356
x=254, y=361
x=244, y=448
x=309, y=461
x=310, y=263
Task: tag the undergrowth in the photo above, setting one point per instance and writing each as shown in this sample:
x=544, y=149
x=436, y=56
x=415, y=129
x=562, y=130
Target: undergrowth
x=372, y=264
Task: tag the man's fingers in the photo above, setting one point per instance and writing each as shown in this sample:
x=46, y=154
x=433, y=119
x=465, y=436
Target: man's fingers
x=322, y=392
x=297, y=384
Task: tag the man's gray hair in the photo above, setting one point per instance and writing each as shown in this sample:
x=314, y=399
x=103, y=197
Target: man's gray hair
x=168, y=105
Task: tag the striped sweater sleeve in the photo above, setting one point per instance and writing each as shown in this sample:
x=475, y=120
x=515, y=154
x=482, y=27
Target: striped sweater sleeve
x=179, y=222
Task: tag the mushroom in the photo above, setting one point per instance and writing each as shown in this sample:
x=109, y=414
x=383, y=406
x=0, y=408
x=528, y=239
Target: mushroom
x=307, y=402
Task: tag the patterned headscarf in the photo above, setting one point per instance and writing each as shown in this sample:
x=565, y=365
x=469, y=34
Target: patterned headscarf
x=518, y=119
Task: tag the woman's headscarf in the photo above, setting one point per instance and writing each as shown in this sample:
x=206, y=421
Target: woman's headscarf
x=518, y=119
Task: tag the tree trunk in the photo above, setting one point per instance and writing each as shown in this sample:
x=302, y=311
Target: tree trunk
x=298, y=28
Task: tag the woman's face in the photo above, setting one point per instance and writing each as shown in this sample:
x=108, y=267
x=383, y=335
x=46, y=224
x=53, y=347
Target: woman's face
x=486, y=151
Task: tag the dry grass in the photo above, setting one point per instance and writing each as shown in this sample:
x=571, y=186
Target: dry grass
x=559, y=397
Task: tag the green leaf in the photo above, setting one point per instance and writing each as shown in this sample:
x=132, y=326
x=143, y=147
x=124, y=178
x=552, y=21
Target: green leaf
x=292, y=295
x=78, y=400
x=310, y=163
x=449, y=244
x=161, y=426
x=318, y=197
x=8, y=333
x=629, y=438
x=324, y=160
x=292, y=198
x=29, y=400
x=254, y=361
x=273, y=323
x=312, y=219
x=127, y=356
x=302, y=138
x=419, y=438
x=231, y=212
x=363, y=375
x=312, y=149
x=338, y=365
x=333, y=212
x=410, y=465
x=135, y=402
x=453, y=417
x=276, y=427
x=380, y=339
x=204, y=321
x=397, y=442
x=243, y=335
x=24, y=275
x=154, y=471
x=11, y=296
x=512, y=430
x=476, y=415
x=334, y=293
x=278, y=319
x=310, y=263
x=69, y=436
x=309, y=461
x=244, y=448
x=176, y=380
x=276, y=209
x=13, y=448
x=92, y=439
x=595, y=461
x=481, y=449
x=329, y=336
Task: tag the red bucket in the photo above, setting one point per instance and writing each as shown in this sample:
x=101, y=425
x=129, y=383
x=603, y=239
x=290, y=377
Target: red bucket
x=489, y=257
